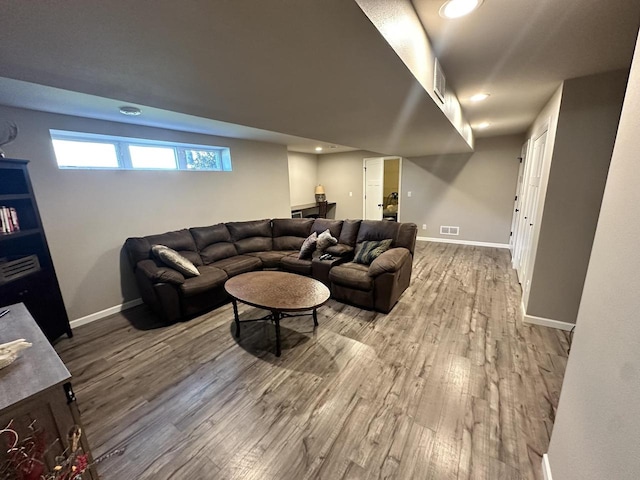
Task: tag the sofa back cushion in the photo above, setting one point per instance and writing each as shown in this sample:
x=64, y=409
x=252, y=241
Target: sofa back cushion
x=213, y=242
x=252, y=236
x=349, y=232
x=290, y=233
x=407, y=234
x=139, y=248
x=378, y=230
x=322, y=224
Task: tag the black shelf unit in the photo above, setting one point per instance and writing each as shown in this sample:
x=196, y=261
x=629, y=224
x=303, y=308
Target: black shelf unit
x=39, y=290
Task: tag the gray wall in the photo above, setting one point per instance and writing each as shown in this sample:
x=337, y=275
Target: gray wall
x=587, y=124
x=473, y=191
x=595, y=435
x=341, y=173
x=303, y=177
x=87, y=215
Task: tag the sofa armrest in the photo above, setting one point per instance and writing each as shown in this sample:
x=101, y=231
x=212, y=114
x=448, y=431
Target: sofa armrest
x=160, y=274
x=390, y=261
x=340, y=250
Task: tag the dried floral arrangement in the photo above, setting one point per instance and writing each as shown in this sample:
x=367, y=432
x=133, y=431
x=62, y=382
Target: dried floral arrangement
x=25, y=458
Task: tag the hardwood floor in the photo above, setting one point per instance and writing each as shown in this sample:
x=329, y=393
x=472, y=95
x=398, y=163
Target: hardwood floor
x=450, y=385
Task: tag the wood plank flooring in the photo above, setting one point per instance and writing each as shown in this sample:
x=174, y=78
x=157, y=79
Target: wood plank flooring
x=450, y=385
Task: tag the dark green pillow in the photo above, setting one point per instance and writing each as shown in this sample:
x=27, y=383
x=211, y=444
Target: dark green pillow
x=367, y=252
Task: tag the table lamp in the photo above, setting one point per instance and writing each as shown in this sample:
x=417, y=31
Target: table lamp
x=320, y=195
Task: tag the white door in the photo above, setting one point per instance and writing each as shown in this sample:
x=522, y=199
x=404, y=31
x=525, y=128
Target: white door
x=531, y=214
x=373, y=188
x=517, y=205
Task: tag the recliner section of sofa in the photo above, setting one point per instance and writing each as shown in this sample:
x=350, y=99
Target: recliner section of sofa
x=224, y=250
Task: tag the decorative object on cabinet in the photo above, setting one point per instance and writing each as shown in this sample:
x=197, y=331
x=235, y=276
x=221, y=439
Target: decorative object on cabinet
x=27, y=274
x=8, y=133
x=320, y=194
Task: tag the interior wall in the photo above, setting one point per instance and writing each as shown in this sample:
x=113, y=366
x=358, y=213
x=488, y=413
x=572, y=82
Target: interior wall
x=303, y=177
x=472, y=191
x=88, y=214
x=391, y=177
x=595, y=434
x=341, y=175
x=586, y=132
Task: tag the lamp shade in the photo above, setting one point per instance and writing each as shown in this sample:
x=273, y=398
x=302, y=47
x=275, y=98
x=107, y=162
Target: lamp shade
x=319, y=190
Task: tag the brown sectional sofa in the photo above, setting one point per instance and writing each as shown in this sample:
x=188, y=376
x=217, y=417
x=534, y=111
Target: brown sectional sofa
x=227, y=249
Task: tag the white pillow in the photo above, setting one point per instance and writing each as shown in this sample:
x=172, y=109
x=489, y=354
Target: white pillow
x=325, y=240
x=173, y=259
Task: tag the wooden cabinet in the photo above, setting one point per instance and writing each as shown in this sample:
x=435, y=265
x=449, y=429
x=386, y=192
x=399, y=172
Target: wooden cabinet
x=38, y=289
x=36, y=390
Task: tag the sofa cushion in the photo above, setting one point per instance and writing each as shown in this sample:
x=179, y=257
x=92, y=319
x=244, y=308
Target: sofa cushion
x=340, y=250
x=322, y=224
x=292, y=227
x=205, y=236
x=292, y=263
x=378, y=230
x=352, y=275
x=181, y=241
x=255, y=228
x=368, y=251
x=254, y=244
x=173, y=259
x=159, y=273
x=407, y=236
x=308, y=246
x=288, y=243
x=325, y=240
x=209, y=278
x=271, y=259
x=239, y=264
x=349, y=232
x=218, y=251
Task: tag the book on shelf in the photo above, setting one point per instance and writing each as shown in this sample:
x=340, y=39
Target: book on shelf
x=9, y=220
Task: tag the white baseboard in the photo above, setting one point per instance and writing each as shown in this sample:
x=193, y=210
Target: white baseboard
x=546, y=468
x=463, y=242
x=545, y=322
x=105, y=313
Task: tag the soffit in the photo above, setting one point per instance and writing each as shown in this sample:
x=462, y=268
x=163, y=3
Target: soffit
x=521, y=51
x=304, y=68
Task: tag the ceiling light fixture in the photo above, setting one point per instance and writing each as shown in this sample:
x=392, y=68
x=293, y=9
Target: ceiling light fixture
x=318, y=149
x=483, y=125
x=478, y=97
x=458, y=8
x=130, y=111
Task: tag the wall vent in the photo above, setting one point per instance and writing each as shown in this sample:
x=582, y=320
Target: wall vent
x=439, y=81
x=445, y=230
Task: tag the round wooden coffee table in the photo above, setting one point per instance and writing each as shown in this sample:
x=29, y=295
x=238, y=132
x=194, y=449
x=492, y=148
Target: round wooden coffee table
x=279, y=292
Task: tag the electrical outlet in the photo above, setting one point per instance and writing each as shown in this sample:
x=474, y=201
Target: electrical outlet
x=424, y=226
x=408, y=194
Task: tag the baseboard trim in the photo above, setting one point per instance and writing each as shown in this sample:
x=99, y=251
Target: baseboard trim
x=545, y=322
x=546, y=468
x=463, y=242
x=105, y=313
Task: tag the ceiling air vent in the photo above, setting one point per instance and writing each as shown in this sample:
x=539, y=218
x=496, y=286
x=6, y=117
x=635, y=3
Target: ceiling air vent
x=439, y=81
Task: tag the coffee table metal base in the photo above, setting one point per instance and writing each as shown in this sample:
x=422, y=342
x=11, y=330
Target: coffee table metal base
x=275, y=316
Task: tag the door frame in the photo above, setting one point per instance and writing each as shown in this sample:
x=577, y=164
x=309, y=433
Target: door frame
x=364, y=180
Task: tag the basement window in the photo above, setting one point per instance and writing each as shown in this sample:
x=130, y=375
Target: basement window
x=76, y=150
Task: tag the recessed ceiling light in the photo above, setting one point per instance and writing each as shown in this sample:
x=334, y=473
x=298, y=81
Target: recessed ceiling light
x=318, y=149
x=458, y=8
x=131, y=111
x=478, y=97
x=483, y=125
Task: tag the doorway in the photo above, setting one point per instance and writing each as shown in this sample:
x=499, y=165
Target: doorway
x=381, y=180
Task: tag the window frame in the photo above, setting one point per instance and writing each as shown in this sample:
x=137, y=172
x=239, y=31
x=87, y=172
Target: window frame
x=122, y=144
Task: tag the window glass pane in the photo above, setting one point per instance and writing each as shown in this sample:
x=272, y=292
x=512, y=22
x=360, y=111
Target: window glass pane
x=203, y=159
x=152, y=157
x=71, y=153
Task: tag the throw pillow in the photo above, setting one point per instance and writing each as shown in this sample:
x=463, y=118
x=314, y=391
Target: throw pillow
x=308, y=246
x=325, y=240
x=367, y=252
x=173, y=259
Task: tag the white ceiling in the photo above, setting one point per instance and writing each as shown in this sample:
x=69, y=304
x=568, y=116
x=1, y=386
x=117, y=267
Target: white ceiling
x=312, y=71
x=521, y=50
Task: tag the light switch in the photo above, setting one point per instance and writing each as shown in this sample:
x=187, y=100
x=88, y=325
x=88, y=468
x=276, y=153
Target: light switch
x=408, y=194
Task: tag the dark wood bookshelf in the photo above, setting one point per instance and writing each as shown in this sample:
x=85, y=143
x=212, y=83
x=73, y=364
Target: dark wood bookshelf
x=38, y=289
